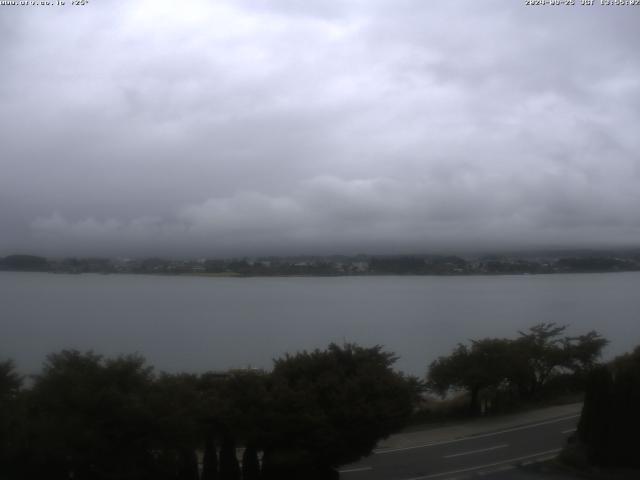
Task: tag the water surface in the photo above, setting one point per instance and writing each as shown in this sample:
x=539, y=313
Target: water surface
x=202, y=323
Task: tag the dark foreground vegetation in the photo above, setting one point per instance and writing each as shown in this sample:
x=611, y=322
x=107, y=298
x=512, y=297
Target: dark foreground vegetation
x=94, y=418
x=607, y=435
x=497, y=374
x=90, y=417
x=549, y=262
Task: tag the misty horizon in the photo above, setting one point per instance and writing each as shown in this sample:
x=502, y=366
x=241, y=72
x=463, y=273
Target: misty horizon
x=477, y=253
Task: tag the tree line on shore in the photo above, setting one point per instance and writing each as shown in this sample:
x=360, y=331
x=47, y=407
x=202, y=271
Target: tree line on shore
x=335, y=265
x=90, y=417
x=85, y=416
x=543, y=364
x=497, y=373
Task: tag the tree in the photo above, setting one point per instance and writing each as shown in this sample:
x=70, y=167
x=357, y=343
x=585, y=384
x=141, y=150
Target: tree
x=610, y=419
x=595, y=422
x=541, y=352
x=521, y=368
x=10, y=381
x=331, y=407
x=582, y=352
x=96, y=418
x=233, y=409
x=27, y=263
x=483, y=365
x=175, y=404
x=89, y=418
x=11, y=416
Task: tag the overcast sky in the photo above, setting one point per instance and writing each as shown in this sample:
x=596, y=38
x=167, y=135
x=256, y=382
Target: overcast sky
x=250, y=127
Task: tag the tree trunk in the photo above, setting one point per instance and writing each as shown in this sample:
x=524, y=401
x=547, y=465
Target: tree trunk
x=229, y=468
x=210, y=460
x=474, y=406
x=250, y=464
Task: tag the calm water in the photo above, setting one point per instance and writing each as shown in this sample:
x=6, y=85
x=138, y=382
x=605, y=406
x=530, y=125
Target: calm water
x=191, y=323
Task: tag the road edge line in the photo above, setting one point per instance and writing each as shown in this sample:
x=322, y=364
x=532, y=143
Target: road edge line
x=473, y=437
x=545, y=455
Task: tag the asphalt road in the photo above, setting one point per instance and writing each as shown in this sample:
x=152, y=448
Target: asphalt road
x=487, y=454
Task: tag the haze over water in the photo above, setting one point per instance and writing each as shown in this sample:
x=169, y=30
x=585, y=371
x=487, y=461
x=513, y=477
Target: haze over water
x=202, y=323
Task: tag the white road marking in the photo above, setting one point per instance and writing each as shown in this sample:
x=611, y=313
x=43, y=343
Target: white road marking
x=353, y=470
x=488, y=465
x=471, y=452
x=473, y=437
x=571, y=430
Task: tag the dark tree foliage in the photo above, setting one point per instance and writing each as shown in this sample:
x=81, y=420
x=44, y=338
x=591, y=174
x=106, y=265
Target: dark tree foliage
x=92, y=418
x=10, y=414
x=510, y=267
x=27, y=263
x=215, y=266
x=398, y=265
x=174, y=402
x=594, y=426
x=610, y=418
x=485, y=364
x=537, y=353
x=518, y=369
x=10, y=381
x=541, y=352
x=331, y=407
x=583, y=351
x=595, y=264
x=87, y=418
x=237, y=403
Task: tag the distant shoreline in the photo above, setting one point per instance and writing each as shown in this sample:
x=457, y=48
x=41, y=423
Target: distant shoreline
x=328, y=275
x=338, y=265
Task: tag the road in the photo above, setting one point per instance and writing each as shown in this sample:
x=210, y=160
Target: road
x=482, y=454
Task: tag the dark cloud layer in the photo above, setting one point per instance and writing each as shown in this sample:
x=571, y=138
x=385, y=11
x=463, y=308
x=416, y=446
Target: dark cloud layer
x=218, y=128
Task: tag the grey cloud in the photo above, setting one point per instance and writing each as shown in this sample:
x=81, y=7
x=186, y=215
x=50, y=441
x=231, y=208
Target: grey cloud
x=329, y=214
x=233, y=127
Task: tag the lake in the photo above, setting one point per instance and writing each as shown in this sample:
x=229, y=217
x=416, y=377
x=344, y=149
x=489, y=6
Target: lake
x=204, y=323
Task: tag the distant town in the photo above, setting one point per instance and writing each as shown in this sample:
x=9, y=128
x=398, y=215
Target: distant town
x=340, y=265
